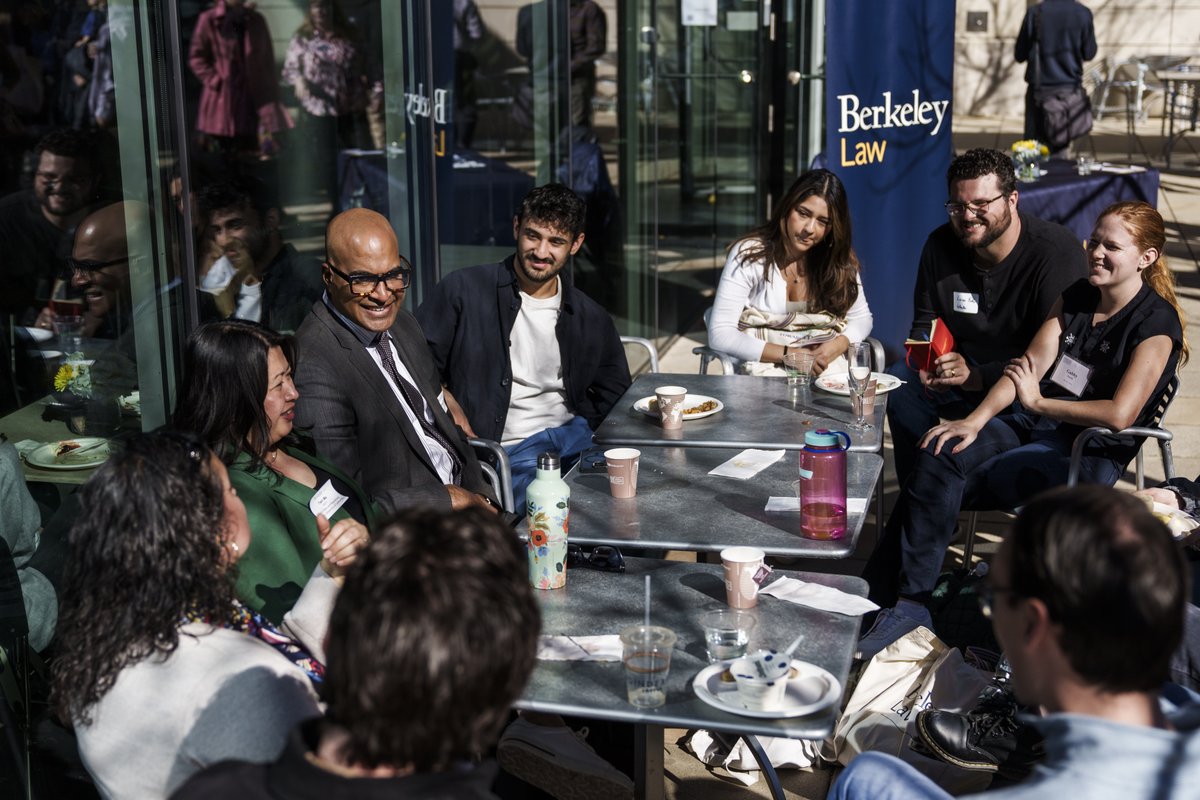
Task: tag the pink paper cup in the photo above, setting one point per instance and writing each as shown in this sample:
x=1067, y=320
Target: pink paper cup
x=622, y=471
x=741, y=564
x=670, y=406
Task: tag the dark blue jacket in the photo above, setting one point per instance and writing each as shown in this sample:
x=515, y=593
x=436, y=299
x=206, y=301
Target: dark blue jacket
x=467, y=320
x=1067, y=40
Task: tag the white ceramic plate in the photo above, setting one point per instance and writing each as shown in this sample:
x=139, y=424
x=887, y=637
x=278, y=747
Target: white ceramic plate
x=45, y=457
x=838, y=383
x=689, y=401
x=812, y=690
x=1175, y=519
x=36, y=334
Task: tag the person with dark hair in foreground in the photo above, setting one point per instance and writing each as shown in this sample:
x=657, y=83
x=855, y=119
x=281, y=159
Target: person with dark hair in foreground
x=527, y=359
x=991, y=274
x=1086, y=595
x=431, y=641
x=159, y=668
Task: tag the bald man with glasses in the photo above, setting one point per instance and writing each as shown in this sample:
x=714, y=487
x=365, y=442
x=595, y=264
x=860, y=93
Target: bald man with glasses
x=991, y=274
x=369, y=391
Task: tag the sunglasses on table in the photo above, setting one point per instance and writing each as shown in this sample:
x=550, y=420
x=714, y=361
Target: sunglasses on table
x=603, y=558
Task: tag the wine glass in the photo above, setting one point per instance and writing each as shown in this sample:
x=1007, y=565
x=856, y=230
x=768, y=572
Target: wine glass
x=859, y=378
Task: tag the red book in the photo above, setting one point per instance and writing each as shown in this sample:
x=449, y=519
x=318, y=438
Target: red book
x=921, y=354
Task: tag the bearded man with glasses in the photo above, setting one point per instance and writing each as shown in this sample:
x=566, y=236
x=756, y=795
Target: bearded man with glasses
x=991, y=274
x=369, y=391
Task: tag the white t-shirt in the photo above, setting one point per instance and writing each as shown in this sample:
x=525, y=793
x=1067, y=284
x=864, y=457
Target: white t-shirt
x=249, y=298
x=539, y=398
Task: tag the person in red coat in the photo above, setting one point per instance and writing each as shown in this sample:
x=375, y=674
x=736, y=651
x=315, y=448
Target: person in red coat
x=231, y=54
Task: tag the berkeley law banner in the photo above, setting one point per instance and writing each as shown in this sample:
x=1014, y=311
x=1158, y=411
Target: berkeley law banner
x=889, y=82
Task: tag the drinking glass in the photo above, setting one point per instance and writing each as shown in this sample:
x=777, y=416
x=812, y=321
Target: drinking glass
x=859, y=377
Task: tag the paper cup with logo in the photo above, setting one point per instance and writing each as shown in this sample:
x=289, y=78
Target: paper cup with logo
x=622, y=470
x=670, y=406
x=741, y=566
x=868, y=399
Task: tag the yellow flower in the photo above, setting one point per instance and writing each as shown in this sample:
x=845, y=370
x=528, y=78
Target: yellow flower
x=63, y=378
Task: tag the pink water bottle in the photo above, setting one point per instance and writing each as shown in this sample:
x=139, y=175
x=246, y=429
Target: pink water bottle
x=823, y=484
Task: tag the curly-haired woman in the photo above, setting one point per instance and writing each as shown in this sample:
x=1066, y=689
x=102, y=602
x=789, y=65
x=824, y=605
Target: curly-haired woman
x=160, y=669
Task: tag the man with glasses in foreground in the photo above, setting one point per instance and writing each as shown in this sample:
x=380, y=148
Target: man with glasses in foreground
x=369, y=391
x=533, y=362
x=1086, y=596
x=991, y=274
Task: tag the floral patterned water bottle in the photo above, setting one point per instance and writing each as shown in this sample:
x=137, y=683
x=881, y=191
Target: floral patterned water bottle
x=548, y=506
x=823, y=485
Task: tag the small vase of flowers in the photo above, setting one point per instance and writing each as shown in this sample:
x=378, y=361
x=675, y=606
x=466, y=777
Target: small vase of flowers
x=1027, y=156
x=73, y=381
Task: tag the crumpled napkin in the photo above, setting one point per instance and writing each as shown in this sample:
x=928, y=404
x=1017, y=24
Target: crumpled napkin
x=579, y=648
x=747, y=464
x=823, y=598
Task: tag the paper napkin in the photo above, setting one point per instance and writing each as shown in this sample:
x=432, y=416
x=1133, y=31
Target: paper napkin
x=820, y=597
x=579, y=648
x=747, y=464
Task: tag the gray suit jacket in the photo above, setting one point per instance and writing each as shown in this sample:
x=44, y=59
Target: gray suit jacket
x=357, y=422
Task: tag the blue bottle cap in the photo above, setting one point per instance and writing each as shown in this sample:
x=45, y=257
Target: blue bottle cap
x=821, y=438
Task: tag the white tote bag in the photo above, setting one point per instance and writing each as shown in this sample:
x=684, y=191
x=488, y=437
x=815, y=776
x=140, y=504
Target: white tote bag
x=915, y=672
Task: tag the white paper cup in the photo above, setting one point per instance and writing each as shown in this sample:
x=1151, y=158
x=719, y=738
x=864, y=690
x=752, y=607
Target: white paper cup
x=670, y=406
x=622, y=471
x=740, y=565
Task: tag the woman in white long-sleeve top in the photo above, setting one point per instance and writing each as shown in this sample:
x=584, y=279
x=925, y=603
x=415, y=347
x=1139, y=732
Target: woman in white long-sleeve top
x=794, y=278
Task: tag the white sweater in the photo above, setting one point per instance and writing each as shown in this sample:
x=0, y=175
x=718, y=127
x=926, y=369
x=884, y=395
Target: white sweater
x=742, y=285
x=219, y=695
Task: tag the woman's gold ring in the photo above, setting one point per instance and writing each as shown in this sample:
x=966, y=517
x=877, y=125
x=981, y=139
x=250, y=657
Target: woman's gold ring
x=954, y=373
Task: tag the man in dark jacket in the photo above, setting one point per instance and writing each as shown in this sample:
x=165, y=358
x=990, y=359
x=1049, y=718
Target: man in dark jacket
x=256, y=275
x=1056, y=38
x=532, y=362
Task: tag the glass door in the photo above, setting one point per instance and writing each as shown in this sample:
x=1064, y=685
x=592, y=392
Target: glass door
x=720, y=130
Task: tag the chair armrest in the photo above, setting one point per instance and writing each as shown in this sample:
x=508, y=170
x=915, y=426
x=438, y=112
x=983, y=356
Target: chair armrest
x=878, y=356
x=708, y=354
x=1087, y=434
x=646, y=343
x=496, y=457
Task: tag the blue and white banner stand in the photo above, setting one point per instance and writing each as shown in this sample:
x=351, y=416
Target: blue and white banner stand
x=888, y=90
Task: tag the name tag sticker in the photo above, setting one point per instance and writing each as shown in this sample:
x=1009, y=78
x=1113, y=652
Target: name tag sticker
x=327, y=500
x=1071, y=374
x=966, y=303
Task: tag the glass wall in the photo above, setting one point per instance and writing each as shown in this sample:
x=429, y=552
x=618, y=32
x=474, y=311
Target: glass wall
x=232, y=132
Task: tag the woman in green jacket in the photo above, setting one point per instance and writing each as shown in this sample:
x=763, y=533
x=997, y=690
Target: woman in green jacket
x=305, y=514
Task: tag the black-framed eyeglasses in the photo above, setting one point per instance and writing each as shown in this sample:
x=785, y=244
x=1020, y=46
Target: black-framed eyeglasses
x=363, y=283
x=84, y=267
x=603, y=557
x=979, y=207
x=986, y=594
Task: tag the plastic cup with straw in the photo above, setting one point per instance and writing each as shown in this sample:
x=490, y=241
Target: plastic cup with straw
x=647, y=657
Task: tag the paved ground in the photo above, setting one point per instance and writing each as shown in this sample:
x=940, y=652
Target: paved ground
x=1179, y=203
